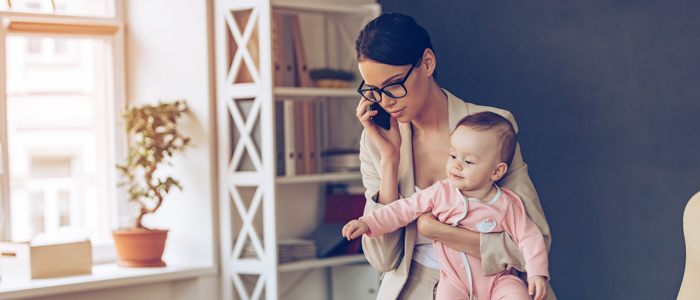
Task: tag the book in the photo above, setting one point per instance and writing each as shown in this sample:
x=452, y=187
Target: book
x=339, y=209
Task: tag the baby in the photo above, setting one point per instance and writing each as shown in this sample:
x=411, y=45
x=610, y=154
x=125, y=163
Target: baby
x=481, y=148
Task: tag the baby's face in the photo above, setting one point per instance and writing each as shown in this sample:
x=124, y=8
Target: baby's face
x=474, y=157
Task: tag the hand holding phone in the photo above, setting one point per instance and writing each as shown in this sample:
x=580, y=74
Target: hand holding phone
x=382, y=118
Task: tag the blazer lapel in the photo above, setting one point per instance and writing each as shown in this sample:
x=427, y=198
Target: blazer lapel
x=456, y=109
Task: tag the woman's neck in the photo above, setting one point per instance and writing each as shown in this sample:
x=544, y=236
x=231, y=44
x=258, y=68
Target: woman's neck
x=434, y=115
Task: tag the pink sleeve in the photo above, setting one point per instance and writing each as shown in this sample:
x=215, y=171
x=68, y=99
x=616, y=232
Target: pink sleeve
x=401, y=212
x=527, y=235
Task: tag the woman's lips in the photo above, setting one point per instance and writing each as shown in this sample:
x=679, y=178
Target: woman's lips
x=396, y=113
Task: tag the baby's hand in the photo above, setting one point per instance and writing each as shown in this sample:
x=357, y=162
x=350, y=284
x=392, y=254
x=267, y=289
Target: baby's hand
x=537, y=285
x=355, y=228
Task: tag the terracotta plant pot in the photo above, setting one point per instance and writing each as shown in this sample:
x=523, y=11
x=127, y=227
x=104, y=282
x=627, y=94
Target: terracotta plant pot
x=139, y=248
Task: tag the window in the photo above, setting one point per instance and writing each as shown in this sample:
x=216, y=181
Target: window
x=58, y=114
x=102, y=8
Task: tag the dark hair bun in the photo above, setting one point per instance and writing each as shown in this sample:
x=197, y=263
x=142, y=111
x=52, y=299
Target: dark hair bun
x=393, y=39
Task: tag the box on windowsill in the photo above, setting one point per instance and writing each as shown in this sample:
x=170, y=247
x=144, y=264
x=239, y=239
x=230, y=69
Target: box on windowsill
x=23, y=262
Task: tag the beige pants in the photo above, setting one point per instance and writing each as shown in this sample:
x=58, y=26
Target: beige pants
x=421, y=283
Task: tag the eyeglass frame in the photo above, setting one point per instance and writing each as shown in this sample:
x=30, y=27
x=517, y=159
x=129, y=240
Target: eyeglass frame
x=381, y=91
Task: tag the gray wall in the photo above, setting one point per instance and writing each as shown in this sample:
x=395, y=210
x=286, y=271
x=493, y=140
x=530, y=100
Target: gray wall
x=607, y=98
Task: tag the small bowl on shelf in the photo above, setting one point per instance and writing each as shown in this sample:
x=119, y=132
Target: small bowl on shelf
x=331, y=78
x=332, y=83
x=341, y=160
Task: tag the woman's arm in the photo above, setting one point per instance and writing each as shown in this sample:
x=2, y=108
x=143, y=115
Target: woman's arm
x=384, y=253
x=499, y=250
x=472, y=243
x=456, y=238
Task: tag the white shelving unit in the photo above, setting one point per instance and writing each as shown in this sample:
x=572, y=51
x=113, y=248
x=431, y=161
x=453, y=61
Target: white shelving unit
x=249, y=180
x=305, y=94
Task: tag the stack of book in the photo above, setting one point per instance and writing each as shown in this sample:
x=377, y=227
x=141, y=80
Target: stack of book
x=288, y=250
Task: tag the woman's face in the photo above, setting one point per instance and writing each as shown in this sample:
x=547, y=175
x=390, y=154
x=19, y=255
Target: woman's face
x=378, y=75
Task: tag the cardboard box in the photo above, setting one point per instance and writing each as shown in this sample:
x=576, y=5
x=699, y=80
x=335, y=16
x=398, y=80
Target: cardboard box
x=21, y=261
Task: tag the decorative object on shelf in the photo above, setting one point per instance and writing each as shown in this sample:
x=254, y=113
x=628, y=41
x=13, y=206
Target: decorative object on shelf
x=341, y=160
x=157, y=139
x=22, y=262
x=331, y=78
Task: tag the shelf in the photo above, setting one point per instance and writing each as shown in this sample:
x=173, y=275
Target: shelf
x=301, y=7
x=102, y=277
x=322, y=263
x=254, y=266
x=320, y=177
x=296, y=93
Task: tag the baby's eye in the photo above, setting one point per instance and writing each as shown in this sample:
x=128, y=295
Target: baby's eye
x=468, y=162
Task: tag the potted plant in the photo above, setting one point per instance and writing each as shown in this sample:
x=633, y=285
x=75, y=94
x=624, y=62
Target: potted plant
x=331, y=78
x=155, y=140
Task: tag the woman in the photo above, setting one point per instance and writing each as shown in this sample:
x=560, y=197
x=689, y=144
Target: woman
x=397, y=62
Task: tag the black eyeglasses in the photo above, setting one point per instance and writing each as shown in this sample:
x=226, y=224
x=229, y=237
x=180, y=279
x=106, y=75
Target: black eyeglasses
x=393, y=90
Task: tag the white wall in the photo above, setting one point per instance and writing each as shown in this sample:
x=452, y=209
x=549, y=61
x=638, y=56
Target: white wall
x=167, y=57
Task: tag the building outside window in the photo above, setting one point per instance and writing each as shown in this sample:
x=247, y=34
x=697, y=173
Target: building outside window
x=58, y=117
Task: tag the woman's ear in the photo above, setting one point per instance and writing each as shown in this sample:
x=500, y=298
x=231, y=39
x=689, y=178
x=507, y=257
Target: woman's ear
x=428, y=63
x=500, y=170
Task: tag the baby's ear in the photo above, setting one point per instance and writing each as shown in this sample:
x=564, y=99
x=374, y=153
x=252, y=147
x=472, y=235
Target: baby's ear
x=500, y=170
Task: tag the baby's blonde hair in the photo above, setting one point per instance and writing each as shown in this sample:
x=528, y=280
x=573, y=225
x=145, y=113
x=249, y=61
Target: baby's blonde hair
x=487, y=121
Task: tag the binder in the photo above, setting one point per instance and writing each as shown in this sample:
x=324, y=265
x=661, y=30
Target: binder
x=290, y=69
x=293, y=138
x=278, y=63
x=284, y=68
x=299, y=138
x=286, y=48
x=301, y=69
x=308, y=114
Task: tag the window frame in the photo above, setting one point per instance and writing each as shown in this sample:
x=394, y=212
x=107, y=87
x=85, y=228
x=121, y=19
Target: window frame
x=110, y=29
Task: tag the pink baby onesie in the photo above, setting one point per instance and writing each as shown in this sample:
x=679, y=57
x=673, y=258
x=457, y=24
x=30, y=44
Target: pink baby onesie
x=505, y=212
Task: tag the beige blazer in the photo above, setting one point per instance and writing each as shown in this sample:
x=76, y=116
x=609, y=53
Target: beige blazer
x=391, y=253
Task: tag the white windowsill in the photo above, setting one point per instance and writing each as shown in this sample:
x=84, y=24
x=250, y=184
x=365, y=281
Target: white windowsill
x=103, y=277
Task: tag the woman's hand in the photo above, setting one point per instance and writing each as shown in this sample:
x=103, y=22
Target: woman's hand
x=388, y=142
x=454, y=237
x=426, y=225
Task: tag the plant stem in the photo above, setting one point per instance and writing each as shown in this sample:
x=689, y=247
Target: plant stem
x=144, y=210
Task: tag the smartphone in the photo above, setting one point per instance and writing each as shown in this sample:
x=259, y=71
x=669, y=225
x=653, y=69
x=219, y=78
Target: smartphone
x=382, y=118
